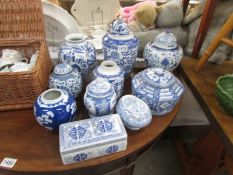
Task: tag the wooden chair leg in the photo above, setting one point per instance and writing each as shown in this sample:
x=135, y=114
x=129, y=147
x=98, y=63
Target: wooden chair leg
x=229, y=164
x=225, y=30
x=204, y=25
x=206, y=157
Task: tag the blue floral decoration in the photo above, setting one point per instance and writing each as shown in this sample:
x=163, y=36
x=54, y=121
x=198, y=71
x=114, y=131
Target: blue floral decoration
x=77, y=132
x=104, y=126
x=112, y=149
x=80, y=157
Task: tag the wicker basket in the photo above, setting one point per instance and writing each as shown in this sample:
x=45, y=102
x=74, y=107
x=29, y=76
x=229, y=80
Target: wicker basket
x=22, y=28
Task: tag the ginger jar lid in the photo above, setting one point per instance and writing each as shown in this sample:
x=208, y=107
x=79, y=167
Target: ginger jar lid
x=99, y=87
x=166, y=40
x=119, y=27
x=62, y=69
x=158, y=77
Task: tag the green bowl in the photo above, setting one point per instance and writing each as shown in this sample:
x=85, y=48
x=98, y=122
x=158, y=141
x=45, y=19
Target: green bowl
x=224, y=92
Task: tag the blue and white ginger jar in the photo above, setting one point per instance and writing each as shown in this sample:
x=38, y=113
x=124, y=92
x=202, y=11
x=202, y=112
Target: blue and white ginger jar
x=78, y=52
x=164, y=52
x=54, y=107
x=100, y=98
x=134, y=112
x=113, y=73
x=121, y=46
x=67, y=78
x=159, y=88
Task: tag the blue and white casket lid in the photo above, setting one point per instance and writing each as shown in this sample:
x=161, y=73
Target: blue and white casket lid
x=165, y=40
x=91, y=133
x=134, y=112
x=135, y=106
x=99, y=87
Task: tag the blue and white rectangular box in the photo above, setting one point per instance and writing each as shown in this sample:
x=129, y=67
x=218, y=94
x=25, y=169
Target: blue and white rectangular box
x=90, y=138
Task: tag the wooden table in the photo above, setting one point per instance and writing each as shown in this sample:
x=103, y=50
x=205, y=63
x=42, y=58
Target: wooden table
x=37, y=149
x=203, y=85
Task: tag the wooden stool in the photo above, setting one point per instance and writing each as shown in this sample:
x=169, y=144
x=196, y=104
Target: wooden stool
x=220, y=37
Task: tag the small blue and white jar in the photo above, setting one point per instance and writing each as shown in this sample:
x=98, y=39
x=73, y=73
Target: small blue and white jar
x=121, y=46
x=100, y=98
x=67, y=78
x=158, y=88
x=164, y=52
x=54, y=107
x=134, y=112
x=78, y=52
x=113, y=73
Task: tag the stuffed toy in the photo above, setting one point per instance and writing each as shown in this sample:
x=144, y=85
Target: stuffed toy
x=144, y=18
x=128, y=13
x=193, y=13
x=170, y=14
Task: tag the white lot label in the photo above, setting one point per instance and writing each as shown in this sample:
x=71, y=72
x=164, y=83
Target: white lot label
x=122, y=48
x=8, y=162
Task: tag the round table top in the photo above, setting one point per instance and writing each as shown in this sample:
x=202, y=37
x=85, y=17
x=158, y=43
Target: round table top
x=37, y=149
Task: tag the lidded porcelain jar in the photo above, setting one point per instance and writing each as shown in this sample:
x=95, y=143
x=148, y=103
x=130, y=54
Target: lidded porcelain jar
x=113, y=73
x=134, y=112
x=120, y=45
x=78, y=52
x=158, y=88
x=164, y=52
x=54, y=107
x=67, y=78
x=100, y=98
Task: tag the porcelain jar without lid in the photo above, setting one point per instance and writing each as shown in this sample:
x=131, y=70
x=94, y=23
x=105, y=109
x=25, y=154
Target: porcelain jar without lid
x=120, y=45
x=159, y=88
x=100, y=98
x=54, y=107
x=134, y=112
x=164, y=52
x=67, y=78
x=78, y=52
x=113, y=73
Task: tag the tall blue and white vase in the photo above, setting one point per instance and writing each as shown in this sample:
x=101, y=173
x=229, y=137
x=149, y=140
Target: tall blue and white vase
x=163, y=52
x=100, y=98
x=54, y=107
x=67, y=78
x=158, y=88
x=121, y=46
x=78, y=52
x=113, y=73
